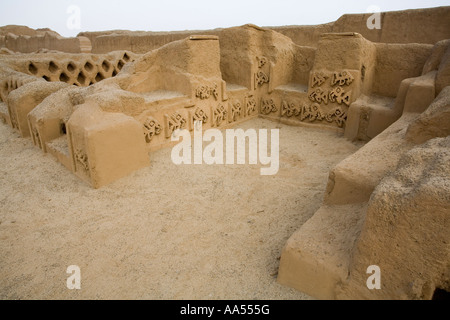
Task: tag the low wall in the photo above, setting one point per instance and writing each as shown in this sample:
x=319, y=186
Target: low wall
x=29, y=44
x=426, y=26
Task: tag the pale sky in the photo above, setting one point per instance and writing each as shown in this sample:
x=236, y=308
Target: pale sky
x=171, y=15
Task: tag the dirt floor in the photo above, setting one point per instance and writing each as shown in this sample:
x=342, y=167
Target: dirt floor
x=163, y=232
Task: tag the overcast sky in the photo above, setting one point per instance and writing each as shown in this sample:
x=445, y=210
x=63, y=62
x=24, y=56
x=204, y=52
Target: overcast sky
x=171, y=15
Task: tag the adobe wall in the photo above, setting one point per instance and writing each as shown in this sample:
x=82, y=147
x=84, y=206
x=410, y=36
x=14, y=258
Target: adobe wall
x=385, y=205
x=139, y=41
x=49, y=41
x=426, y=26
x=396, y=62
x=25, y=31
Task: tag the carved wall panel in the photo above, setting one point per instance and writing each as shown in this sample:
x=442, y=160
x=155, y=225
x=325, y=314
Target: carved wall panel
x=261, y=61
x=290, y=109
x=151, y=128
x=250, y=106
x=338, y=115
x=235, y=111
x=315, y=112
x=319, y=96
x=262, y=75
x=261, y=78
x=204, y=92
x=197, y=115
x=268, y=106
x=327, y=96
x=174, y=122
x=219, y=114
x=312, y=112
x=339, y=95
x=341, y=78
x=318, y=79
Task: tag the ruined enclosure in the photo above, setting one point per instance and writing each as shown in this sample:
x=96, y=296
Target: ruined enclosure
x=364, y=123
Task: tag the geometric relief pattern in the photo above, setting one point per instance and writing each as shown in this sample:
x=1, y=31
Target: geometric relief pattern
x=261, y=61
x=235, y=111
x=314, y=112
x=318, y=79
x=250, y=106
x=204, y=92
x=174, y=122
x=341, y=78
x=268, y=106
x=219, y=114
x=339, y=95
x=261, y=78
x=198, y=115
x=338, y=115
x=151, y=128
x=290, y=109
x=333, y=93
x=318, y=96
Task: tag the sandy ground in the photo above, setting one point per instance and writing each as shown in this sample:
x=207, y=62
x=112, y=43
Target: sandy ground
x=164, y=232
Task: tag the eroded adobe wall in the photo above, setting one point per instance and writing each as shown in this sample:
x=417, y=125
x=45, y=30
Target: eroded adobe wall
x=305, y=35
x=426, y=26
x=25, y=31
x=385, y=205
x=406, y=229
x=49, y=41
x=139, y=42
x=396, y=62
x=406, y=26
